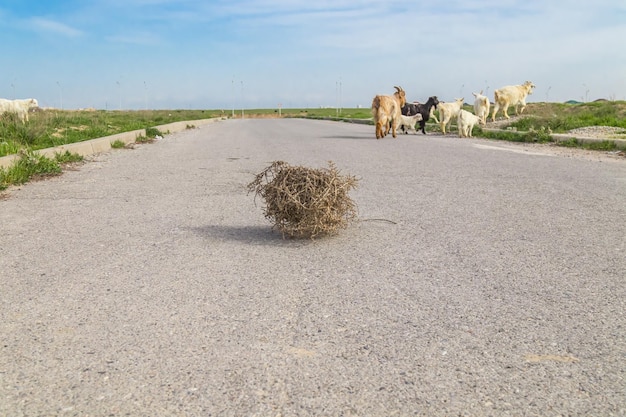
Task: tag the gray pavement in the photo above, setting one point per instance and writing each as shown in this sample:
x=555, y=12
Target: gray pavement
x=482, y=279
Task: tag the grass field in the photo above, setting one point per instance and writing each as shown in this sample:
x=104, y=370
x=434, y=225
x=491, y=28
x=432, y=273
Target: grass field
x=561, y=118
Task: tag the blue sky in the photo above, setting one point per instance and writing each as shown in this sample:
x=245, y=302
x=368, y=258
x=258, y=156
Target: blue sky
x=220, y=54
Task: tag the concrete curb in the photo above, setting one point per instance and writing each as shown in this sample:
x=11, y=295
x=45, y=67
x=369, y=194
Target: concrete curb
x=564, y=137
x=99, y=145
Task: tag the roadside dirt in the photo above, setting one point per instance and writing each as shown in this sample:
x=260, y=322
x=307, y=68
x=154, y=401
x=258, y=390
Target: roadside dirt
x=554, y=149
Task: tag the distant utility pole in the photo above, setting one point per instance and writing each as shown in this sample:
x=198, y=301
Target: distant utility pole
x=60, y=95
x=340, y=95
x=233, y=95
x=242, y=99
x=337, y=98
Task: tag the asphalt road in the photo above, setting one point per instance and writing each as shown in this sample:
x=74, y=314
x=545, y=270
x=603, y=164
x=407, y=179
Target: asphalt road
x=482, y=279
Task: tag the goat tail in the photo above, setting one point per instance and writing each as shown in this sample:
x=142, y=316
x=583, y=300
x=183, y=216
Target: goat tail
x=376, y=103
x=376, y=110
x=376, y=106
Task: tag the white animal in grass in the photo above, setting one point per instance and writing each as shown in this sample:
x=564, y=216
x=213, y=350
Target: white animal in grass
x=465, y=122
x=448, y=111
x=481, y=106
x=21, y=107
x=511, y=95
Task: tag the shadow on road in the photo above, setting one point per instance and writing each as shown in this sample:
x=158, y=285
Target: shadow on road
x=254, y=235
x=369, y=137
x=352, y=137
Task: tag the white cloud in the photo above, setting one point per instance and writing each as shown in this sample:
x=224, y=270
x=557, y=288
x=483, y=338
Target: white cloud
x=52, y=26
x=141, y=38
x=295, y=51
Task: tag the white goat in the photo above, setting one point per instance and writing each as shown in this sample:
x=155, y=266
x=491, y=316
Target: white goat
x=409, y=122
x=19, y=107
x=447, y=111
x=511, y=95
x=465, y=122
x=481, y=106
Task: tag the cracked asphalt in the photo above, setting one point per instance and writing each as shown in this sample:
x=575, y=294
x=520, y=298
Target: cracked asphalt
x=482, y=279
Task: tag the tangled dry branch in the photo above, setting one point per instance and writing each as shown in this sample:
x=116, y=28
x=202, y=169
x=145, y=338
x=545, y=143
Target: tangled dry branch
x=305, y=202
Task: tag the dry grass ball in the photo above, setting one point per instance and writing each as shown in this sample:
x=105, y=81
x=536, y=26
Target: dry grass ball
x=304, y=202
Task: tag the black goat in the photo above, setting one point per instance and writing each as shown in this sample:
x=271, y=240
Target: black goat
x=410, y=109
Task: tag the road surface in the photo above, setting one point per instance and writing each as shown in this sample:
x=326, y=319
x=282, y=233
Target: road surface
x=482, y=279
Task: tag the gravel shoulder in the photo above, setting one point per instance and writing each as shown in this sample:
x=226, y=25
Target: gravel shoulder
x=556, y=150
x=589, y=132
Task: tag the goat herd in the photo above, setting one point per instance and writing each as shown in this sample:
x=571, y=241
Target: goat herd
x=393, y=112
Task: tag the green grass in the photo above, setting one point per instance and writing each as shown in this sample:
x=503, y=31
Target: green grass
x=533, y=136
x=561, y=118
x=28, y=165
x=118, y=144
x=312, y=113
x=153, y=132
x=31, y=165
x=143, y=139
x=67, y=158
x=605, y=145
x=516, y=134
x=51, y=128
x=329, y=113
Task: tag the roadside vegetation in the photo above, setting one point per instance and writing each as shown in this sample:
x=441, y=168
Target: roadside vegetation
x=541, y=120
x=51, y=128
x=31, y=165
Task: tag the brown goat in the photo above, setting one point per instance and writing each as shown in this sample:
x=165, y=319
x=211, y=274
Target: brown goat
x=387, y=111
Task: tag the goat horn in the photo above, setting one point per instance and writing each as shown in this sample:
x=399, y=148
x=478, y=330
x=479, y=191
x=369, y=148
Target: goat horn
x=398, y=88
